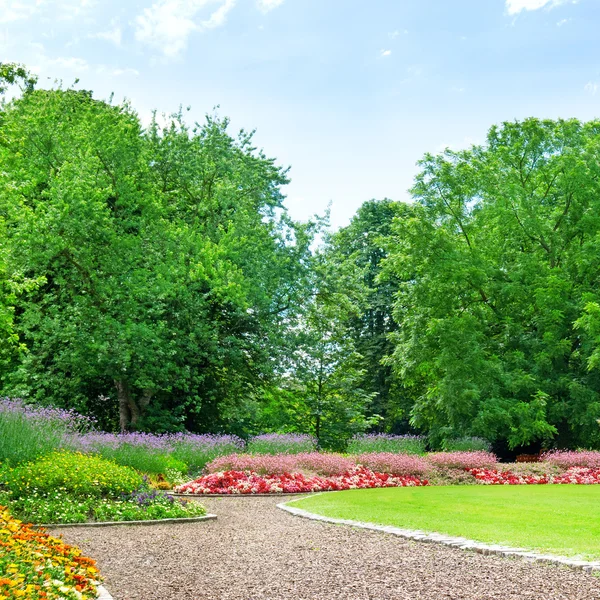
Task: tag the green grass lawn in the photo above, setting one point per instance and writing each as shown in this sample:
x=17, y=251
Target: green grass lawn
x=559, y=519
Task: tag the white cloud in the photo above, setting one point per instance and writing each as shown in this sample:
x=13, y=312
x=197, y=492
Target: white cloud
x=516, y=6
x=592, y=87
x=267, y=5
x=117, y=72
x=563, y=22
x=386, y=52
x=15, y=10
x=113, y=35
x=68, y=62
x=167, y=24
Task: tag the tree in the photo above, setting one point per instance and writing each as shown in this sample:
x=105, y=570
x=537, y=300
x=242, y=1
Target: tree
x=497, y=264
x=325, y=370
x=166, y=259
x=361, y=246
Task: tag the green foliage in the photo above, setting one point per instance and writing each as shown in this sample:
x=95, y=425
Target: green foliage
x=497, y=261
x=466, y=444
x=23, y=439
x=62, y=507
x=143, y=459
x=78, y=475
x=155, y=267
x=360, y=249
x=395, y=444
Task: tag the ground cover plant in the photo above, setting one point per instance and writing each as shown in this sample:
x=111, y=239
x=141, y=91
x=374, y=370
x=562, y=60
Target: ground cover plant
x=36, y=566
x=560, y=519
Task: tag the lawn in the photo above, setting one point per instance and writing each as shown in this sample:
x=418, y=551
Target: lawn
x=559, y=519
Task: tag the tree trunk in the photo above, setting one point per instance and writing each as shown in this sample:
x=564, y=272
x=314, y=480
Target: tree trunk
x=123, y=396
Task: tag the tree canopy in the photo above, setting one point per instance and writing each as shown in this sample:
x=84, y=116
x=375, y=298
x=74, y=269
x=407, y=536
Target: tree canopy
x=151, y=276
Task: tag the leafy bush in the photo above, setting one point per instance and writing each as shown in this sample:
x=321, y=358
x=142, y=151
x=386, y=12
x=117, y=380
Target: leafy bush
x=28, y=432
x=281, y=443
x=396, y=464
x=384, y=442
x=62, y=574
x=571, y=458
x=466, y=444
x=141, y=505
x=74, y=473
x=462, y=460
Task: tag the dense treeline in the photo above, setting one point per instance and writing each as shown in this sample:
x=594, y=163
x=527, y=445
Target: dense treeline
x=151, y=277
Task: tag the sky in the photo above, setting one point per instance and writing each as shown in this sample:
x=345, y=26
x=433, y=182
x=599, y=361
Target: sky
x=349, y=93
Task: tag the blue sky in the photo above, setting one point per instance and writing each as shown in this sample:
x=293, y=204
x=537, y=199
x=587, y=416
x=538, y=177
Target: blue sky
x=349, y=93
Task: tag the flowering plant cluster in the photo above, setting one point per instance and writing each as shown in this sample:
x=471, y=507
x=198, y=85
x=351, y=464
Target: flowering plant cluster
x=577, y=475
x=35, y=566
x=463, y=460
x=398, y=464
x=248, y=482
x=572, y=458
x=266, y=464
x=72, y=472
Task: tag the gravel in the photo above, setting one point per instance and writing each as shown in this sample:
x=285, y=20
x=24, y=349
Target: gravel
x=256, y=551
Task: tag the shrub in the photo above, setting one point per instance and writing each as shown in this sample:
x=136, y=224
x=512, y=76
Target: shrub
x=281, y=443
x=74, y=473
x=384, y=442
x=266, y=464
x=466, y=444
x=396, y=464
x=28, y=432
x=63, y=573
x=462, y=460
x=571, y=458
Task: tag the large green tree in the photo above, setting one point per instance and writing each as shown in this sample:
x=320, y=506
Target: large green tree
x=360, y=248
x=498, y=263
x=165, y=258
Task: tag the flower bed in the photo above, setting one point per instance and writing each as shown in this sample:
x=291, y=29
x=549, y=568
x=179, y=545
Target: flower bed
x=248, y=482
x=278, y=464
x=576, y=475
x=572, y=458
x=35, y=566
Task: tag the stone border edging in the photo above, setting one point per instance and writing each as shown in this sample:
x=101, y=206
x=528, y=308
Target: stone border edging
x=146, y=522
x=103, y=593
x=458, y=542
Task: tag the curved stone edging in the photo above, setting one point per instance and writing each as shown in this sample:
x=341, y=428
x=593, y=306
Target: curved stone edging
x=103, y=593
x=146, y=522
x=459, y=542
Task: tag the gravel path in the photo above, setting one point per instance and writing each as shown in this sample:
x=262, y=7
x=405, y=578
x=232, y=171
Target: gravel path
x=256, y=551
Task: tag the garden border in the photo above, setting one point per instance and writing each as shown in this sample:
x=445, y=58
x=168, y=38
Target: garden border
x=173, y=521
x=103, y=593
x=446, y=540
